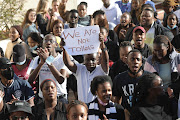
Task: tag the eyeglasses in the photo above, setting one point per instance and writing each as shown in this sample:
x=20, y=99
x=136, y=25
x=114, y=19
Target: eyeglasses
x=19, y=117
x=51, y=41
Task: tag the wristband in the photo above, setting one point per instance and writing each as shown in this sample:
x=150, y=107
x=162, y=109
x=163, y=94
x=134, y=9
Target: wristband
x=49, y=60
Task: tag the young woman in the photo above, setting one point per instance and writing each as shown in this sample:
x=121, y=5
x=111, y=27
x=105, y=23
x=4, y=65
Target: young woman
x=34, y=41
x=102, y=107
x=77, y=110
x=50, y=108
x=171, y=22
x=43, y=15
x=15, y=35
x=135, y=11
x=29, y=24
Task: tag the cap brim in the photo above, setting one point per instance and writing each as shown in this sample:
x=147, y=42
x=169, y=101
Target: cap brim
x=23, y=110
x=18, y=59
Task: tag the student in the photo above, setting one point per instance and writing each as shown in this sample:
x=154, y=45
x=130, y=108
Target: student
x=112, y=12
x=77, y=110
x=171, y=22
x=85, y=73
x=124, y=5
x=35, y=41
x=43, y=16
x=49, y=65
x=121, y=65
x=50, y=107
x=124, y=83
x=15, y=35
x=139, y=37
x=122, y=28
x=29, y=24
x=102, y=107
x=55, y=10
x=14, y=87
x=135, y=11
x=150, y=101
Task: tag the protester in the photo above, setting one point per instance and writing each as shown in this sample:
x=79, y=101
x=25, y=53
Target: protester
x=102, y=107
x=148, y=2
x=77, y=110
x=135, y=11
x=124, y=5
x=15, y=88
x=175, y=42
x=86, y=72
x=29, y=24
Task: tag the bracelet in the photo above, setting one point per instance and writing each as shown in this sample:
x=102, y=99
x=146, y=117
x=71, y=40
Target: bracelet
x=49, y=60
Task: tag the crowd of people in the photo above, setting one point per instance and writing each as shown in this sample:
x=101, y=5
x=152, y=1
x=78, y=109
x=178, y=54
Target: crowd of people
x=135, y=74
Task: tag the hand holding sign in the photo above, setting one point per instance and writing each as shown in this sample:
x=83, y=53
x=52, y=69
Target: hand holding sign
x=81, y=40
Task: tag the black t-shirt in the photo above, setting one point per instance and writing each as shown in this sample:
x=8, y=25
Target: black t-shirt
x=4, y=113
x=118, y=67
x=123, y=86
x=146, y=51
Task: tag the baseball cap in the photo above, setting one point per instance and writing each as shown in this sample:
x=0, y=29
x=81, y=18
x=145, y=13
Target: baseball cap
x=139, y=28
x=20, y=106
x=18, y=53
x=4, y=63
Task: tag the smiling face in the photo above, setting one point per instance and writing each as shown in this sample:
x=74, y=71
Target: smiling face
x=49, y=91
x=125, y=19
x=138, y=37
x=13, y=34
x=104, y=92
x=82, y=10
x=146, y=18
x=90, y=61
x=32, y=16
x=160, y=50
x=171, y=21
x=134, y=61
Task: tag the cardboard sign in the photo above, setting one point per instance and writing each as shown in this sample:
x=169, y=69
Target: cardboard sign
x=81, y=40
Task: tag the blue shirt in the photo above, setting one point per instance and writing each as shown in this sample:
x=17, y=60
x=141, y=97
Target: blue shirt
x=124, y=8
x=152, y=4
x=21, y=89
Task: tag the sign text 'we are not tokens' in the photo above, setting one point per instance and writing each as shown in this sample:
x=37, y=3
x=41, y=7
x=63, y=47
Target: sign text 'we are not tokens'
x=81, y=40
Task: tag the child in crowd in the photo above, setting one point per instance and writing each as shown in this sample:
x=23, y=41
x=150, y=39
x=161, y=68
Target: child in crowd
x=124, y=5
x=29, y=24
x=171, y=22
x=43, y=15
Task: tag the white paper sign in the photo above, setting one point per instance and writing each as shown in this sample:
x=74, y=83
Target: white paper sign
x=81, y=40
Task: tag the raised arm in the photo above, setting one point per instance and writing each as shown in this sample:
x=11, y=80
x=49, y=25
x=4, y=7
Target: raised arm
x=104, y=61
x=62, y=9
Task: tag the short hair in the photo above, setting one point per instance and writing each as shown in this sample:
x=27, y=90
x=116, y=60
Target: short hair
x=125, y=44
x=98, y=12
x=83, y=3
x=54, y=23
x=73, y=11
x=165, y=22
x=130, y=17
x=99, y=80
x=36, y=37
x=133, y=51
x=75, y=103
x=152, y=9
x=104, y=28
x=2, y=52
x=46, y=80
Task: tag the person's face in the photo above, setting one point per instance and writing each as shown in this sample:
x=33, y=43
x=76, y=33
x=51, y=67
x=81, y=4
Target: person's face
x=135, y=5
x=82, y=10
x=90, y=61
x=125, y=1
x=55, y=6
x=146, y=18
x=47, y=6
x=134, y=61
x=13, y=34
x=104, y=92
x=125, y=19
x=124, y=53
x=160, y=50
x=138, y=37
x=32, y=16
x=31, y=42
x=19, y=116
x=106, y=2
x=98, y=18
x=168, y=8
x=57, y=29
x=49, y=91
x=104, y=33
x=73, y=18
x=77, y=112
x=171, y=21
x=50, y=43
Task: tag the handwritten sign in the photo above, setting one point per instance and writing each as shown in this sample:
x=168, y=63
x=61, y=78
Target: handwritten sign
x=81, y=40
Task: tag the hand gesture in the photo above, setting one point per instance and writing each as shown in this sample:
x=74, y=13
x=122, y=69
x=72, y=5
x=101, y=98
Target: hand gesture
x=101, y=39
x=13, y=100
x=43, y=54
x=62, y=43
x=170, y=92
x=105, y=118
x=122, y=34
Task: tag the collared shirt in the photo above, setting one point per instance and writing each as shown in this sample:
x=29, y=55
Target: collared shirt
x=84, y=78
x=150, y=36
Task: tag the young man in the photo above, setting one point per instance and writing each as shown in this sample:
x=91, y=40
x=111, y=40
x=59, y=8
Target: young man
x=14, y=88
x=124, y=83
x=139, y=37
x=49, y=65
x=121, y=65
x=112, y=11
x=85, y=73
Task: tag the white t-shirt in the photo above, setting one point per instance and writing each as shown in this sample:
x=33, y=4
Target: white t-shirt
x=113, y=13
x=84, y=78
x=45, y=73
